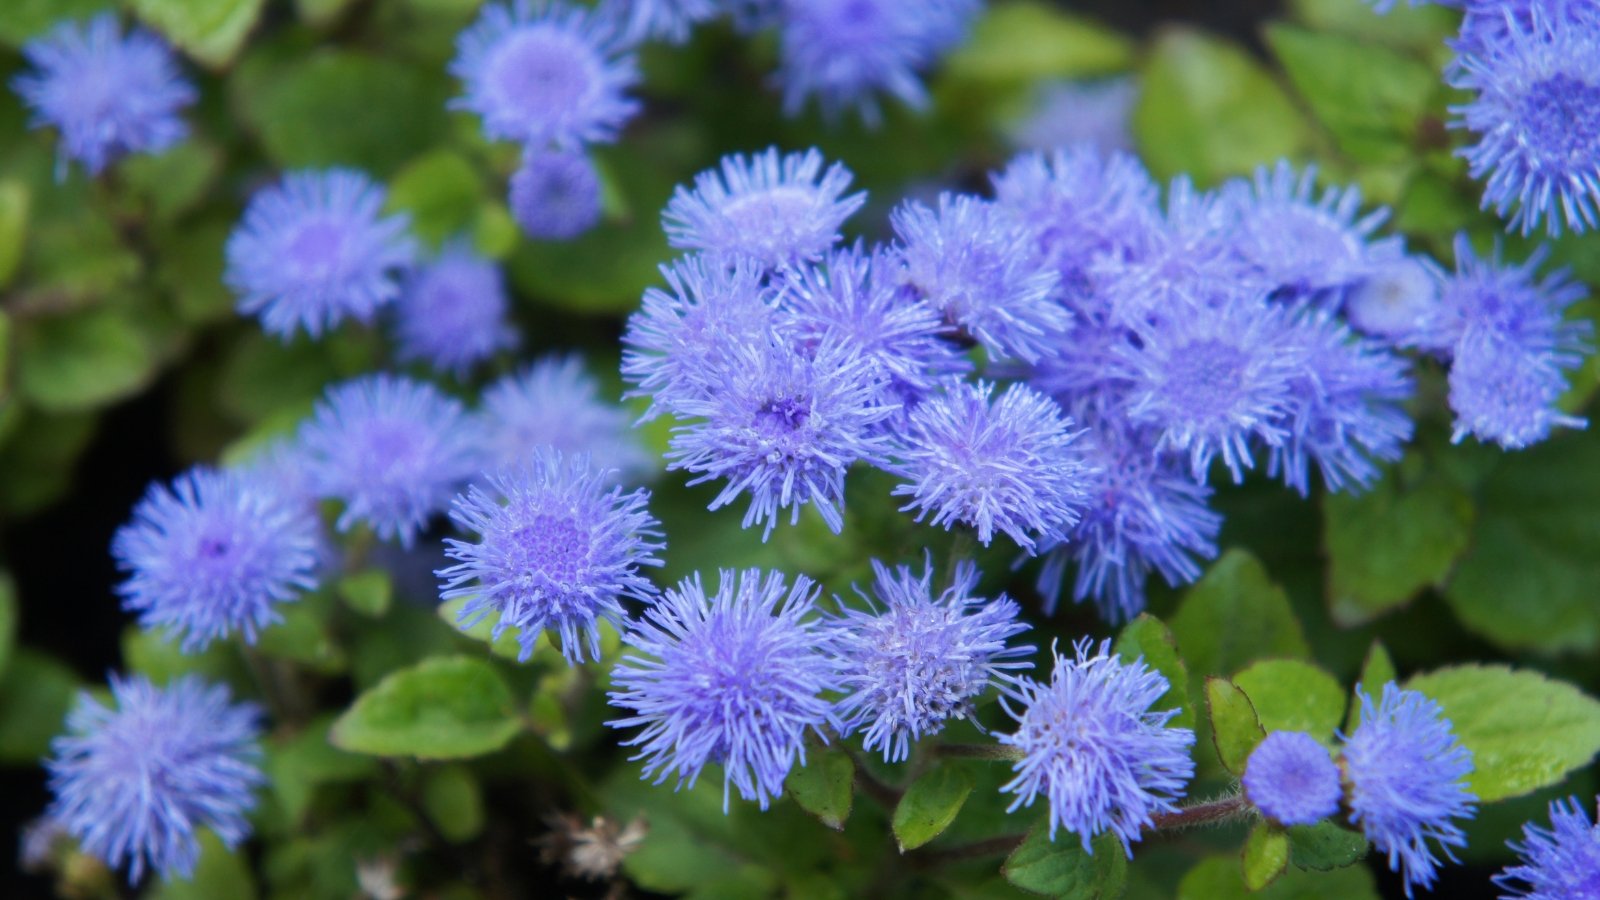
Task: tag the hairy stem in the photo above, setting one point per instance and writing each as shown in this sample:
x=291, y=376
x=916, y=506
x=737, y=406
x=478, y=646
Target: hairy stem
x=1209, y=812
x=995, y=752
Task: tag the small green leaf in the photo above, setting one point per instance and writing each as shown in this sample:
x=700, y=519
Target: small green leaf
x=454, y=802
x=173, y=181
x=441, y=192
x=1234, y=616
x=1525, y=731
x=442, y=708
x=220, y=872
x=930, y=804
x=367, y=592
x=825, y=787
x=160, y=658
x=34, y=700
x=301, y=763
x=21, y=20
x=1235, y=729
x=1387, y=544
x=1206, y=108
x=1290, y=695
x=1265, y=855
x=1325, y=846
x=1220, y=878
x=15, y=202
x=210, y=31
x=506, y=646
x=38, y=459
x=1023, y=42
x=302, y=636
x=1376, y=671
x=1149, y=638
x=1063, y=869
x=83, y=361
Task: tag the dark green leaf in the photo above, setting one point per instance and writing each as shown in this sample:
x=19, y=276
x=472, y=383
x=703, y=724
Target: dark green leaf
x=8, y=620
x=1265, y=855
x=211, y=31
x=1234, y=616
x=824, y=787
x=1290, y=695
x=298, y=765
x=453, y=800
x=24, y=19
x=1325, y=846
x=83, y=361
x=442, y=708
x=303, y=636
x=442, y=193
x=1235, y=728
x=1023, y=42
x=219, y=873
x=34, y=699
x=1149, y=638
x=930, y=804
x=1062, y=868
x=1219, y=878
x=39, y=457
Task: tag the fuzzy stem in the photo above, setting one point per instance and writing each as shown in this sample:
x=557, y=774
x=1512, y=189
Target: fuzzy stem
x=995, y=752
x=1209, y=812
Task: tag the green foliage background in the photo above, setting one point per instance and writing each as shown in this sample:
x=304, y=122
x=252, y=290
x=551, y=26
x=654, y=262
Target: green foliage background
x=452, y=757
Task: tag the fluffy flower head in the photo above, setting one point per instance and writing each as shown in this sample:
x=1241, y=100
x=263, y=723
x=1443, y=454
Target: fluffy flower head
x=669, y=20
x=1096, y=113
x=1561, y=862
x=1292, y=779
x=452, y=311
x=133, y=782
x=555, y=403
x=555, y=194
x=733, y=678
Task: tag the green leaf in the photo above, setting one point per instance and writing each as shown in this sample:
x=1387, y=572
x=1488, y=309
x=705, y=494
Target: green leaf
x=1063, y=869
x=174, y=181
x=442, y=708
x=38, y=459
x=1290, y=695
x=368, y=592
x=83, y=361
x=1325, y=846
x=8, y=620
x=303, y=636
x=506, y=646
x=210, y=31
x=930, y=804
x=1235, y=728
x=454, y=802
x=219, y=873
x=1220, y=878
x=159, y=658
x=1525, y=731
x=1265, y=855
x=825, y=787
x=1387, y=544
x=1376, y=671
x=1149, y=638
x=298, y=765
x=1207, y=109
x=15, y=202
x=1370, y=97
x=1234, y=616
x=1530, y=579
x=321, y=12
x=1023, y=42
x=443, y=194
x=21, y=20
x=34, y=699
x=1423, y=27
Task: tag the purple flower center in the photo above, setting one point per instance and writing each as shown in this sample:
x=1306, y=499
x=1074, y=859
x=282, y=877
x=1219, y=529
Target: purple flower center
x=783, y=415
x=777, y=208
x=1205, y=377
x=1559, y=120
x=318, y=249
x=553, y=546
x=541, y=75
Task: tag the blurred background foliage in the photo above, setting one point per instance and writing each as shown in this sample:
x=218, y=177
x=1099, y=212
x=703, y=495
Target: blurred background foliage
x=122, y=361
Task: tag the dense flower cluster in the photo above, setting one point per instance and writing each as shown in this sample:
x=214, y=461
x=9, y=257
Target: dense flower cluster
x=1561, y=862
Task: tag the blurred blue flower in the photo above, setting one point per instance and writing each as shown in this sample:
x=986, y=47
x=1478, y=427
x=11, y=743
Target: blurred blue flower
x=673, y=342
x=783, y=427
x=558, y=548
x=776, y=210
x=921, y=660
x=1118, y=763
x=974, y=263
x=1144, y=512
x=1395, y=301
x=1406, y=774
x=1561, y=862
x=1097, y=113
x=1009, y=464
x=546, y=73
x=452, y=311
x=555, y=402
x=733, y=678
x=215, y=554
x=392, y=449
x=1536, y=112
x=106, y=93
x=555, y=194
x=316, y=249
x=669, y=20
x=1292, y=779
x=134, y=782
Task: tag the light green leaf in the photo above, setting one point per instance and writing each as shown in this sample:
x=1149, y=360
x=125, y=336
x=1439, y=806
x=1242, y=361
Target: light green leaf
x=1149, y=638
x=1387, y=544
x=83, y=361
x=1023, y=42
x=824, y=787
x=441, y=192
x=1235, y=728
x=1207, y=109
x=442, y=708
x=1525, y=731
x=15, y=202
x=1290, y=695
x=1265, y=855
x=368, y=592
x=1234, y=616
x=174, y=181
x=303, y=636
x=21, y=20
x=321, y=12
x=1062, y=868
x=1421, y=27
x=219, y=873
x=1325, y=846
x=1376, y=671
x=160, y=658
x=1220, y=878
x=930, y=804
x=506, y=646
x=454, y=802
x=210, y=31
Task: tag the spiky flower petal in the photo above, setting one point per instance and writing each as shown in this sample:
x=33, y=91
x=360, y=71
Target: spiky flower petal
x=1561, y=862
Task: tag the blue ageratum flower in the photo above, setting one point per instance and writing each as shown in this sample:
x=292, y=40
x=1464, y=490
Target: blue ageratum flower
x=783, y=427
x=546, y=73
x=845, y=53
x=672, y=343
x=1300, y=246
x=734, y=678
x=1406, y=781
x=1066, y=113
x=1144, y=513
x=452, y=311
x=776, y=210
x=134, y=781
x=1292, y=779
x=1117, y=765
x=215, y=554
x=554, y=402
x=1561, y=862
x=668, y=20
x=1535, y=109
x=393, y=450
x=315, y=250
x=106, y=93
x=1395, y=302
x=921, y=659
x=1007, y=464
x=1213, y=378
x=555, y=194
x=855, y=299
x=973, y=262
x=1344, y=411
x=558, y=548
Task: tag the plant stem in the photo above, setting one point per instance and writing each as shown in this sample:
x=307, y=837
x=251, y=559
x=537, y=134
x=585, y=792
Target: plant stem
x=995, y=752
x=884, y=794
x=1209, y=812
x=995, y=846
